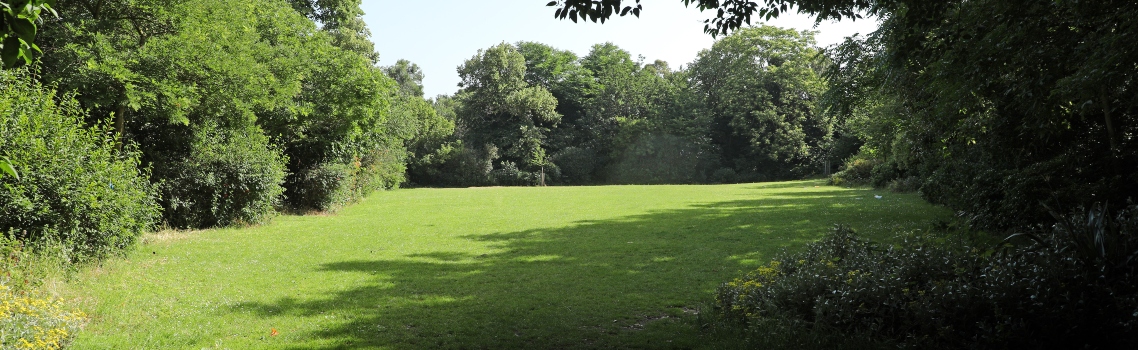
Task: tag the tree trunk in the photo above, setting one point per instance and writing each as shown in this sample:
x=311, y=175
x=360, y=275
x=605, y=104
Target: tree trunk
x=1114, y=146
x=120, y=126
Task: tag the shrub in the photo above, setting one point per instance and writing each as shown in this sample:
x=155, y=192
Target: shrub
x=331, y=185
x=657, y=159
x=509, y=175
x=325, y=187
x=724, y=176
x=905, y=184
x=230, y=177
x=76, y=186
x=858, y=172
x=28, y=322
x=938, y=292
x=468, y=166
x=383, y=168
x=576, y=165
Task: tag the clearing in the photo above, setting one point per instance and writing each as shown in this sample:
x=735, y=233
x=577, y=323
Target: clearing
x=508, y=267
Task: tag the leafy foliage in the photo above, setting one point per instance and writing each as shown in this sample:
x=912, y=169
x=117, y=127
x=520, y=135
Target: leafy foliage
x=76, y=186
x=18, y=30
x=228, y=178
x=932, y=292
x=765, y=115
x=502, y=113
x=730, y=15
x=1006, y=105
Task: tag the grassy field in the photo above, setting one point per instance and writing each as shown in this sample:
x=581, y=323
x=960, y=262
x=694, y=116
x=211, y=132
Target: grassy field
x=552, y=267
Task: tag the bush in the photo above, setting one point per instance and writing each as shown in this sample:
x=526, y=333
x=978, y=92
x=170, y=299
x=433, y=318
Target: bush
x=325, y=187
x=858, y=172
x=331, y=185
x=509, y=175
x=229, y=178
x=468, y=167
x=936, y=292
x=905, y=184
x=659, y=159
x=379, y=169
x=576, y=165
x=724, y=176
x=76, y=187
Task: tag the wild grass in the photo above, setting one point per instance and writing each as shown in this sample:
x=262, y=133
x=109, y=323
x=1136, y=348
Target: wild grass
x=536, y=267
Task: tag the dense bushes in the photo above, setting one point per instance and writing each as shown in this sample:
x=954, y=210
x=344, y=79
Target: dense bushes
x=76, y=186
x=997, y=105
x=858, y=171
x=660, y=159
x=331, y=185
x=228, y=178
x=1067, y=287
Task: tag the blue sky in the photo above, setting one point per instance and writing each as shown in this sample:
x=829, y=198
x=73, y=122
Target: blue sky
x=440, y=35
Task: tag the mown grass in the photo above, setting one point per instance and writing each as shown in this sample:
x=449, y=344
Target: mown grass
x=552, y=267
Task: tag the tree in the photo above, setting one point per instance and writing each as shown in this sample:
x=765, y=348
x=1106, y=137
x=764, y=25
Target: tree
x=502, y=113
x=343, y=19
x=18, y=30
x=761, y=86
x=730, y=15
x=408, y=76
x=1006, y=105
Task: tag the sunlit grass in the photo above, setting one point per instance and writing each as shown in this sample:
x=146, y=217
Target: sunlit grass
x=552, y=267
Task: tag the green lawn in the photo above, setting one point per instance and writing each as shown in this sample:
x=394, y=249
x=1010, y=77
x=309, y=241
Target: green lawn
x=551, y=267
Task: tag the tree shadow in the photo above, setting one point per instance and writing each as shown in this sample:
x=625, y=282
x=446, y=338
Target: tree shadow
x=632, y=282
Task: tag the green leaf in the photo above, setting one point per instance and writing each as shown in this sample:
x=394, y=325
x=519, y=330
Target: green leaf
x=10, y=54
x=8, y=168
x=551, y=3
x=24, y=28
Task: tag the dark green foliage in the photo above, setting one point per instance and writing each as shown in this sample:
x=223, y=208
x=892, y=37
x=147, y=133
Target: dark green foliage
x=325, y=187
x=576, y=165
x=75, y=187
x=1072, y=286
x=431, y=122
x=858, y=171
x=660, y=159
x=765, y=120
x=169, y=72
x=228, y=178
x=18, y=25
x=999, y=105
x=331, y=185
x=636, y=122
x=502, y=113
x=724, y=176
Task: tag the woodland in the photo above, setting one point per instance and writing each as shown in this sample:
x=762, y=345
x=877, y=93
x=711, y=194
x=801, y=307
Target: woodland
x=125, y=117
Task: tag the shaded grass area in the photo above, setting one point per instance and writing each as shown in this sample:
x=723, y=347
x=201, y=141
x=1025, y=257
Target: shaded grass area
x=554, y=267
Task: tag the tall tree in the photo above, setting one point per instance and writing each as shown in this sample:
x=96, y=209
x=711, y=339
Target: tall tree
x=344, y=20
x=762, y=88
x=502, y=112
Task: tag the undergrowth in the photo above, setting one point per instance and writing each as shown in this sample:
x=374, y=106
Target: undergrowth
x=1070, y=286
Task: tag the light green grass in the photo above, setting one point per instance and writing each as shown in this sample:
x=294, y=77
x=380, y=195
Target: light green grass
x=552, y=267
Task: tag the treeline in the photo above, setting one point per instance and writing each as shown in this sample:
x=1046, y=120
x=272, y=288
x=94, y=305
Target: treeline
x=745, y=110
x=197, y=114
x=1019, y=115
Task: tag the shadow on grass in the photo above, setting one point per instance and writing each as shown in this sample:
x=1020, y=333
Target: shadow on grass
x=632, y=282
